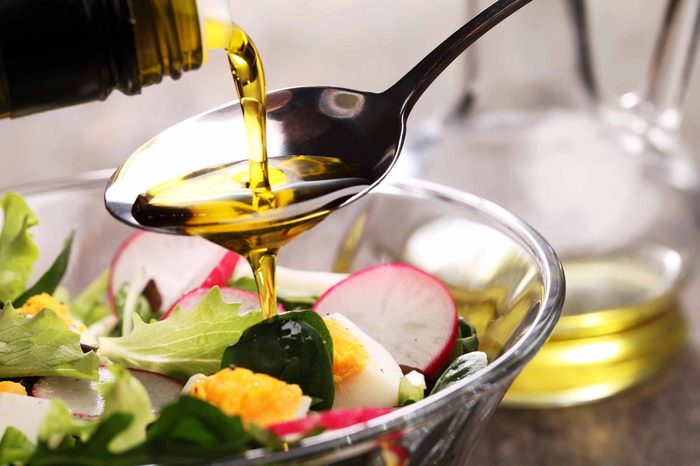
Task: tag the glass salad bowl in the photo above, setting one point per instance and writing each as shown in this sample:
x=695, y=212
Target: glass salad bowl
x=505, y=278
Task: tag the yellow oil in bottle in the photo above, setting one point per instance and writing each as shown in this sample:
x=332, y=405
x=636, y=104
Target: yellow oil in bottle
x=254, y=207
x=599, y=349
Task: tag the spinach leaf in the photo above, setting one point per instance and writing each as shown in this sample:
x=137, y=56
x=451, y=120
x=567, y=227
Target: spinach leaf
x=291, y=348
x=52, y=277
x=194, y=430
x=460, y=368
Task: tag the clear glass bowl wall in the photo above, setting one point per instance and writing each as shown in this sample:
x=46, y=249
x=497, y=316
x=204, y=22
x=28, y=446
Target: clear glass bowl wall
x=504, y=276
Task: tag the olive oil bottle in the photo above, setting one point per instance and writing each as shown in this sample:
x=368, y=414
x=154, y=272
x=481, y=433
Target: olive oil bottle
x=57, y=53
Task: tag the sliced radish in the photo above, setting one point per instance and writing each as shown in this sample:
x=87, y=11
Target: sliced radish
x=177, y=264
x=411, y=313
x=336, y=419
x=220, y=275
x=249, y=301
x=85, y=401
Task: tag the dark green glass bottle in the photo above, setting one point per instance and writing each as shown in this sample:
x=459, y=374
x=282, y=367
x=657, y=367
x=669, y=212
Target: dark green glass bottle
x=56, y=53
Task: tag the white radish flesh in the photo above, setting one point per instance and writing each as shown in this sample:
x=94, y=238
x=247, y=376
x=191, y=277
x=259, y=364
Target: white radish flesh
x=177, y=264
x=412, y=314
x=85, y=401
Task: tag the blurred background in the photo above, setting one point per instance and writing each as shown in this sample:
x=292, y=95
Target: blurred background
x=368, y=45
x=361, y=44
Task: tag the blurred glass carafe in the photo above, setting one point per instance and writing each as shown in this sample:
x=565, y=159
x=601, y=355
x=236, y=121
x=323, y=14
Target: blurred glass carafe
x=603, y=175
x=56, y=53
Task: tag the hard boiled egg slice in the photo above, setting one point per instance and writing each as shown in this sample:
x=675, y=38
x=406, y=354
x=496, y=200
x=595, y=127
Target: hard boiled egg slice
x=257, y=398
x=365, y=374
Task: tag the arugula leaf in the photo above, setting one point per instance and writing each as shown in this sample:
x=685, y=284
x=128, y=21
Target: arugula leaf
x=466, y=341
x=15, y=447
x=184, y=344
x=89, y=305
x=18, y=252
x=290, y=348
x=41, y=345
x=52, y=277
x=460, y=368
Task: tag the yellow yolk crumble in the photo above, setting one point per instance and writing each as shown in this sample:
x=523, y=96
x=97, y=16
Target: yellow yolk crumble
x=12, y=387
x=257, y=398
x=39, y=302
x=349, y=354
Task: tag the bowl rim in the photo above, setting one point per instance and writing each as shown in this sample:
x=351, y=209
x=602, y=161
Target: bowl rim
x=496, y=373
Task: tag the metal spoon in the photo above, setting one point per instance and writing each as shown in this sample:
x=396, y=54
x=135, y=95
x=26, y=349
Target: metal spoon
x=362, y=128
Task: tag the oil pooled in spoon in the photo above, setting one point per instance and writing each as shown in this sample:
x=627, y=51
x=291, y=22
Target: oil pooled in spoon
x=254, y=207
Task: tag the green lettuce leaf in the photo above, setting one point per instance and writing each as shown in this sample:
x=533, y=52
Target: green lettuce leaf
x=15, y=447
x=188, y=431
x=121, y=426
x=126, y=395
x=184, y=344
x=41, y=345
x=18, y=252
x=60, y=430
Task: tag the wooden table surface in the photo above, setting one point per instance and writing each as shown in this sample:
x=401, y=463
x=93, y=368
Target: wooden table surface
x=654, y=424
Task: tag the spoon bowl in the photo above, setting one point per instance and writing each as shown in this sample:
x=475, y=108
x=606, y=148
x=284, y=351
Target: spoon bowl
x=360, y=129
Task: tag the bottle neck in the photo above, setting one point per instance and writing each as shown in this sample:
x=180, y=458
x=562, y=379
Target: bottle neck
x=56, y=53
x=168, y=39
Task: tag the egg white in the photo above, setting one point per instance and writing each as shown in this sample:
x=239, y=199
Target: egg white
x=378, y=384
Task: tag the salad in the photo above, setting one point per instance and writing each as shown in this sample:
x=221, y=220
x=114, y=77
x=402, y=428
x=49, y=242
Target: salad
x=165, y=357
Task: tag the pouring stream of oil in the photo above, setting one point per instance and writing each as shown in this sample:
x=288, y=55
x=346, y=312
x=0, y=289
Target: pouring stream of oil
x=251, y=208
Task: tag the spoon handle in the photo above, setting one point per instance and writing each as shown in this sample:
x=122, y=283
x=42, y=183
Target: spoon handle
x=409, y=88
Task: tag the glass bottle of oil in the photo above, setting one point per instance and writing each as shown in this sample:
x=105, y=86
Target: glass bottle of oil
x=56, y=53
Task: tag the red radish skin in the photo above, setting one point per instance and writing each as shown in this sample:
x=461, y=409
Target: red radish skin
x=410, y=312
x=223, y=271
x=176, y=263
x=85, y=401
x=336, y=419
x=249, y=301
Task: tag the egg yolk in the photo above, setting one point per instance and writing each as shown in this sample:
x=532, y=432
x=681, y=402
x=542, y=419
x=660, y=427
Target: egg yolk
x=12, y=387
x=39, y=302
x=349, y=354
x=257, y=398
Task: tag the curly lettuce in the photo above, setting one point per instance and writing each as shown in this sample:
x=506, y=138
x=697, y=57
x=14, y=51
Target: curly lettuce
x=184, y=344
x=41, y=346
